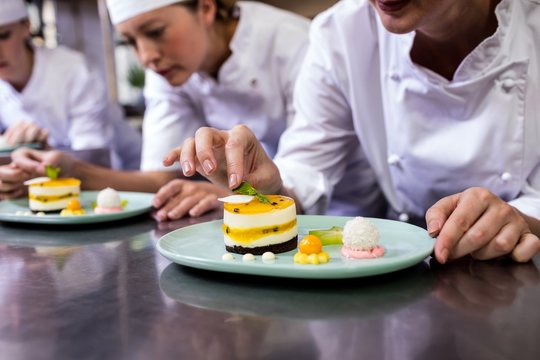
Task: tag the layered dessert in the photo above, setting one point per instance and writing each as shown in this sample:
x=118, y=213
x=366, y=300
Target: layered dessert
x=260, y=224
x=46, y=194
x=108, y=201
x=361, y=239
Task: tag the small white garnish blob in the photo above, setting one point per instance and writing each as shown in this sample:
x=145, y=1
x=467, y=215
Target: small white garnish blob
x=227, y=257
x=248, y=257
x=41, y=213
x=268, y=256
x=237, y=199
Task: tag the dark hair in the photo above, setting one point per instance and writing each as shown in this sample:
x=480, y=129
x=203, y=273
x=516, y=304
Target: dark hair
x=226, y=9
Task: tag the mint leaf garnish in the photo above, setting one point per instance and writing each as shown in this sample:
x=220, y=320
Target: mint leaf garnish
x=52, y=172
x=246, y=189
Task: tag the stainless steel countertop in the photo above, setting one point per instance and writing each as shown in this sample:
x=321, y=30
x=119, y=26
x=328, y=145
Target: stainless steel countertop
x=103, y=292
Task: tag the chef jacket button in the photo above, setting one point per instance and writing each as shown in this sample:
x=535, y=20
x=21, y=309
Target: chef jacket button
x=253, y=83
x=506, y=176
x=403, y=217
x=395, y=76
x=508, y=84
x=393, y=159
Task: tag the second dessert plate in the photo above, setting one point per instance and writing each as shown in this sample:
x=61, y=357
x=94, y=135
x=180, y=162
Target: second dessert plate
x=201, y=246
x=137, y=203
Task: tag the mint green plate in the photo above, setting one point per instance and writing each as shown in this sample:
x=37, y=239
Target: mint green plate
x=201, y=246
x=137, y=203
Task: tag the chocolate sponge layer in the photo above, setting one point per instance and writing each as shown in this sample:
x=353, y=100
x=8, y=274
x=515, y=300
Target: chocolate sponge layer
x=275, y=248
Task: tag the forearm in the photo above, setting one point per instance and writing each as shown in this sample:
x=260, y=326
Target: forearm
x=96, y=178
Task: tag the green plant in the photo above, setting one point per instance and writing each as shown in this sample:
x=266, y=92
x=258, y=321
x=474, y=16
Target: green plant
x=135, y=76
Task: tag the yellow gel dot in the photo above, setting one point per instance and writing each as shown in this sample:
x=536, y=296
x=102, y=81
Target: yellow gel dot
x=313, y=259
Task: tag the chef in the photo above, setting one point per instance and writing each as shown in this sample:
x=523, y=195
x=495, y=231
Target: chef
x=448, y=120
x=216, y=63
x=52, y=95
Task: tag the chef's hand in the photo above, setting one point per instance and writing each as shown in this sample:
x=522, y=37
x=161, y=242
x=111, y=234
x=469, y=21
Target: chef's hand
x=479, y=223
x=181, y=197
x=11, y=181
x=25, y=132
x=227, y=158
x=34, y=161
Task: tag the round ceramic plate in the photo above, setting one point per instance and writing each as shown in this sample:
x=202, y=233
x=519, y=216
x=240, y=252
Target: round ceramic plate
x=201, y=246
x=137, y=203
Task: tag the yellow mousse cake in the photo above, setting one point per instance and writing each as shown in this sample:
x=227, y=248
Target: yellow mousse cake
x=256, y=227
x=46, y=194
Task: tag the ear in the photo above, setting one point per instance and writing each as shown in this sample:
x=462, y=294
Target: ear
x=25, y=24
x=207, y=10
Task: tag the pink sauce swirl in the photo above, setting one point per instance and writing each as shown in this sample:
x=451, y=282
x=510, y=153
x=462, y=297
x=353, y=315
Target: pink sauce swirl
x=350, y=253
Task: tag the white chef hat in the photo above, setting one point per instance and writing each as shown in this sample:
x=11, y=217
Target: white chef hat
x=122, y=10
x=12, y=11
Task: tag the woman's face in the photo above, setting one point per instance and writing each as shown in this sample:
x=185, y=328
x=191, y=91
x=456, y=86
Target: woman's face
x=12, y=51
x=403, y=16
x=172, y=41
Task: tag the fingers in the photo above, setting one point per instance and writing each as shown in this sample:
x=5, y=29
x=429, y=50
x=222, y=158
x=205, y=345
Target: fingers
x=25, y=132
x=205, y=204
x=207, y=142
x=461, y=212
x=241, y=141
x=527, y=247
x=486, y=241
x=14, y=134
x=437, y=215
x=481, y=224
x=11, y=182
x=172, y=156
x=187, y=158
x=167, y=191
x=43, y=136
x=28, y=160
x=499, y=244
x=30, y=134
x=183, y=197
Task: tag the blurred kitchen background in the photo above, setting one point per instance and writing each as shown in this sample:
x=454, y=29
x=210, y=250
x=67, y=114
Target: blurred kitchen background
x=84, y=25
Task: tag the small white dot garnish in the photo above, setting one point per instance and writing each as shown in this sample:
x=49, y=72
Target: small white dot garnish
x=268, y=257
x=248, y=257
x=41, y=213
x=19, y=213
x=227, y=257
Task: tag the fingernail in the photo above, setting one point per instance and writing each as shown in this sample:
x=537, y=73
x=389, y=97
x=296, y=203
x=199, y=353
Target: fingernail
x=161, y=216
x=232, y=180
x=433, y=227
x=444, y=256
x=156, y=203
x=186, y=167
x=208, y=166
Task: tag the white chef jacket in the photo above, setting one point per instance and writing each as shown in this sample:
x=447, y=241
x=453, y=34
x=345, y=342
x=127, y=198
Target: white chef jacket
x=254, y=87
x=69, y=100
x=425, y=137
